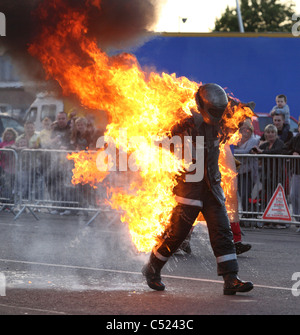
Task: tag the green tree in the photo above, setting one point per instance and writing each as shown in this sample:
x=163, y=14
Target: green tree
x=258, y=16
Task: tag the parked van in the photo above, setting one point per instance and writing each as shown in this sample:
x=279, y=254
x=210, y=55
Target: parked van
x=44, y=105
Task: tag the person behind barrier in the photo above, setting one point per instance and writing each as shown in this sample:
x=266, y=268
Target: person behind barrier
x=271, y=175
x=61, y=133
x=45, y=133
x=59, y=169
x=29, y=160
x=8, y=140
x=95, y=132
x=7, y=163
x=80, y=137
x=293, y=148
x=283, y=131
x=8, y=137
x=204, y=196
x=272, y=145
x=29, y=139
x=247, y=173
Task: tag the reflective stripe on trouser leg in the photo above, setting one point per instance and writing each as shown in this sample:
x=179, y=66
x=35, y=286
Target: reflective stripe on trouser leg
x=181, y=223
x=226, y=264
x=220, y=234
x=226, y=258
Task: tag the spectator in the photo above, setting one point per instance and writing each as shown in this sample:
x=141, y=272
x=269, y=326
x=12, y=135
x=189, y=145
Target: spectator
x=248, y=170
x=95, y=133
x=281, y=107
x=60, y=135
x=270, y=166
x=60, y=169
x=283, y=131
x=45, y=134
x=7, y=164
x=293, y=148
x=272, y=145
x=80, y=137
x=30, y=162
x=29, y=139
x=8, y=138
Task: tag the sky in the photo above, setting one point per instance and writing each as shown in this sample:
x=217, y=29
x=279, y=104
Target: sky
x=200, y=14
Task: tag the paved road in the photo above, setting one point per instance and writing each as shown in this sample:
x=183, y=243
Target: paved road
x=58, y=265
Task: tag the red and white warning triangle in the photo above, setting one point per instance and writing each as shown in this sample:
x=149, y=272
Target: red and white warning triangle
x=277, y=208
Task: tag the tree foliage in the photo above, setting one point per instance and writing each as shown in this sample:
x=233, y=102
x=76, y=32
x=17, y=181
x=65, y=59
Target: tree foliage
x=258, y=16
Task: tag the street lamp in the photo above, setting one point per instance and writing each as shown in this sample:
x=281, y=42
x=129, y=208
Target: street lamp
x=239, y=15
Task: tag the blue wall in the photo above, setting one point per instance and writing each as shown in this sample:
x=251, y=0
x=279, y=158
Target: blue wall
x=252, y=68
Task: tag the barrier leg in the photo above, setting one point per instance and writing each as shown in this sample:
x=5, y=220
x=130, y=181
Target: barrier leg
x=22, y=210
x=94, y=217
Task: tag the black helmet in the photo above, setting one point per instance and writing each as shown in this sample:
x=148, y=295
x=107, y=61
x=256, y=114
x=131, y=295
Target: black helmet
x=211, y=101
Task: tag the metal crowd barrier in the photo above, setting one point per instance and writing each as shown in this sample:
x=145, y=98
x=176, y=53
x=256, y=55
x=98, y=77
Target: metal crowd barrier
x=32, y=179
x=258, y=178
x=40, y=178
x=8, y=179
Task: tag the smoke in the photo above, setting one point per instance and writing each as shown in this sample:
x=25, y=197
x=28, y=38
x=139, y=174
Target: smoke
x=113, y=23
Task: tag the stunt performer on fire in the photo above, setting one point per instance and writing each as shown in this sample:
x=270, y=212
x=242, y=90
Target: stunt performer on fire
x=206, y=196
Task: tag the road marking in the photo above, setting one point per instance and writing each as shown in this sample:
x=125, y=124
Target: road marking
x=31, y=309
x=134, y=273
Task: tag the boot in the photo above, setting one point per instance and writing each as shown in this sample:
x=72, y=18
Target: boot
x=151, y=271
x=241, y=247
x=233, y=284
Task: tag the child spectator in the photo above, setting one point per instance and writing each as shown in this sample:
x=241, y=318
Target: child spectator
x=29, y=139
x=8, y=138
x=45, y=134
x=281, y=107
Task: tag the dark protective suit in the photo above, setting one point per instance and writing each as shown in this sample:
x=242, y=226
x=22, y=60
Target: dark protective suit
x=206, y=196
x=194, y=195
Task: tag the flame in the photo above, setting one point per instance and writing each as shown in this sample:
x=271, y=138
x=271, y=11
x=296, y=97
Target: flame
x=234, y=115
x=145, y=105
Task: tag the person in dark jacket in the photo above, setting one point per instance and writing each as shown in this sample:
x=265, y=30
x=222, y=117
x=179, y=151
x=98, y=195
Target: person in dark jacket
x=270, y=166
x=283, y=132
x=273, y=145
x=205, y=195
x=293, y=148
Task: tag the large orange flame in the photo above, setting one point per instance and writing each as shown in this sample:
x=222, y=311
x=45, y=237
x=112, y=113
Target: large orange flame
x=144, y=104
